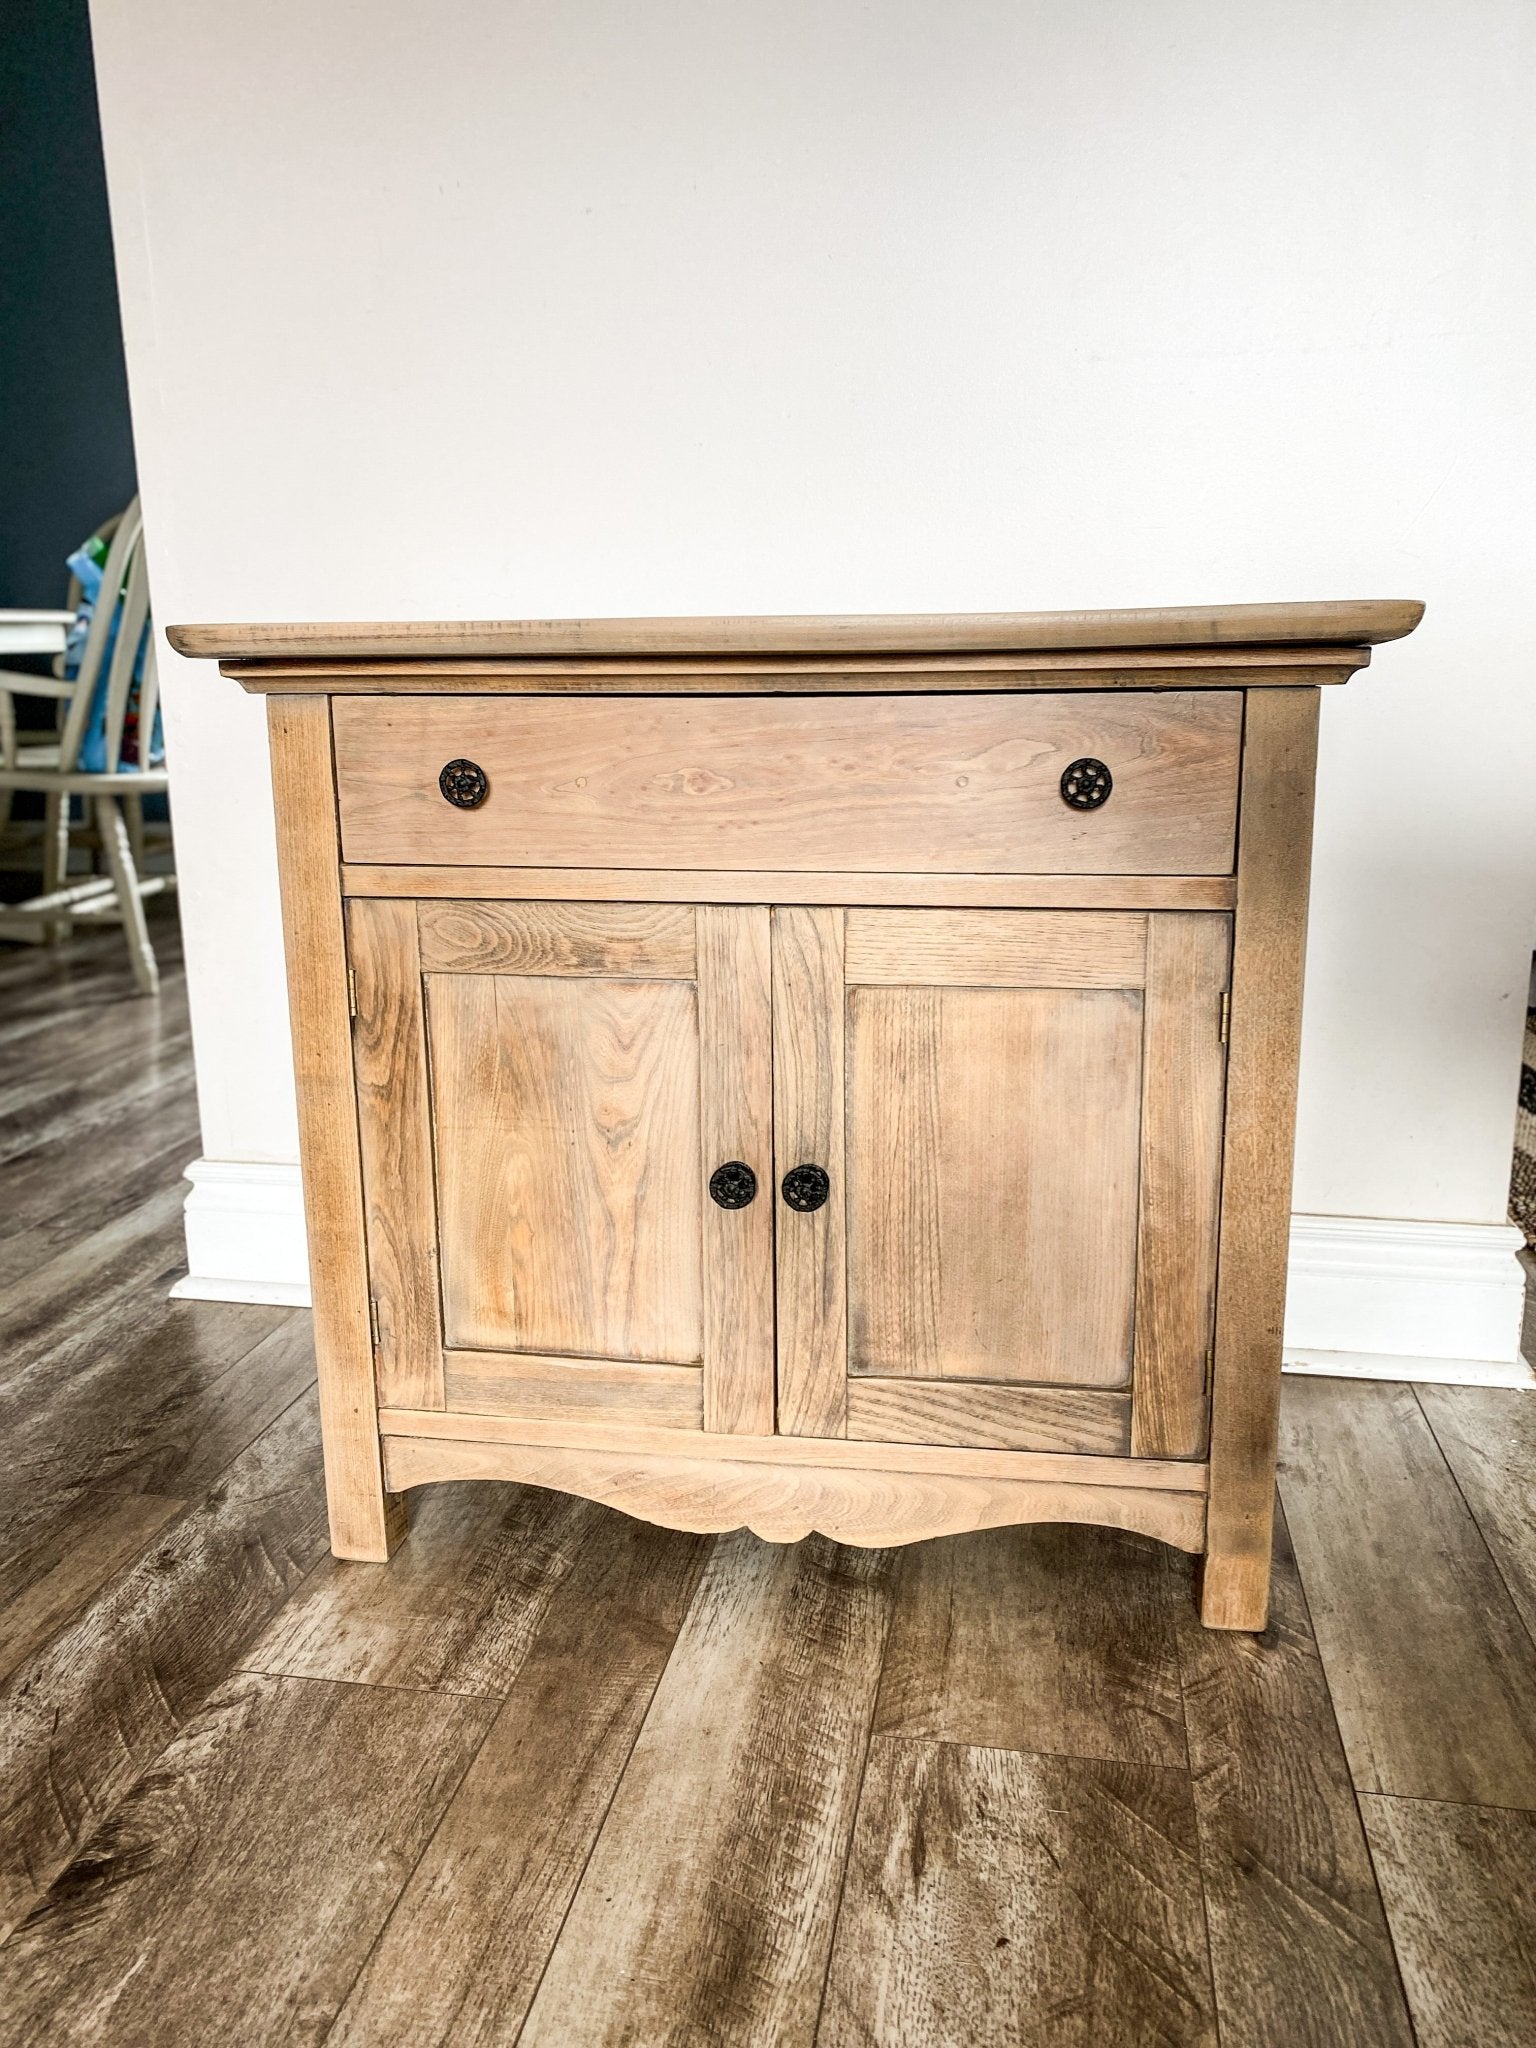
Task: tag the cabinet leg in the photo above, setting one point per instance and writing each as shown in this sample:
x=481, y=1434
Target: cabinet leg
x=367, y=1524
x=1234, y=1591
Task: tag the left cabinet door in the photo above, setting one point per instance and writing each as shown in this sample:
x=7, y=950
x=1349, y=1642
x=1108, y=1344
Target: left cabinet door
x=545, y=1091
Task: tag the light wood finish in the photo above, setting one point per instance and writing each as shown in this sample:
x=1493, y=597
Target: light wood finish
x=1180, y=668
x=1300, y=1949
x=1432, y=1672
x=1460, y=1887
x=785, y=1503
x=365, y=1522
x=877, y=783
x=1269, y=947
x=567, y=1135
x=1015, y=1418
x=992, y=1144
x=736, y=1124
x=616, y=940
x=979, y=1897
x=1343, y=622
x=394, y=1124
x=811, y=1251
x=994, y=949
x=566, y=1389
x=1087, y=1468
x=1182, y=1106
x=777, y=885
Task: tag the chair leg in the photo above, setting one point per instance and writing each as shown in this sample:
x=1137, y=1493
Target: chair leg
x=133, y=812
x=56, y=857
x=125, y=878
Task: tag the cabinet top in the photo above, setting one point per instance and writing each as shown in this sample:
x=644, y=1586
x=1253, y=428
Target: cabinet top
x=1333, y=623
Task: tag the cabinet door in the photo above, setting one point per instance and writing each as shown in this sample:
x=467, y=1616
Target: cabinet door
x=1018, y=1114
x=544, y=1091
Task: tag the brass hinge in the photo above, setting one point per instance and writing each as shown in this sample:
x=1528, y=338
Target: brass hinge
x=1210, y=1368
x=351, y=991
x=373, y=1320
x=1226, y=1015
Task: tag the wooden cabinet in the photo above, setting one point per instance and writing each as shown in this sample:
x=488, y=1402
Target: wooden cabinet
x=809, y=1074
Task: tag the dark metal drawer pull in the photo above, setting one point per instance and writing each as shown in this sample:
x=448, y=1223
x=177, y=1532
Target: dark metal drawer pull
x=464, y=783
x=1086, y=784
x=733, y=1185
x=806, y=1187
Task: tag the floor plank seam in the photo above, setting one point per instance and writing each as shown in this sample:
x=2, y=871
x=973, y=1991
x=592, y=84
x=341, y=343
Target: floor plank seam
x=1499, y=1573
x=618, y=1781
x=1338, y=1731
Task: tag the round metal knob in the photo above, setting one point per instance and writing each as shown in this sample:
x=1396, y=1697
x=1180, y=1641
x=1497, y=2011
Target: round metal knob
x=464, y=783
x=1086, y=784
x=806, y=1187
x=733, y=1185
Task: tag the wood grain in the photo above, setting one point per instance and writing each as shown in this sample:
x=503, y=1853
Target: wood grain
x=567, y=1129
x=876, y=783
x=1460, y=1888
x=995, y=949
x=210, y=1904
x=458, y=1613
x=779, y=885
x=1487, y=1436
x=711, y=1892
x=736, y=1123
x=1433, y=1676
x=1002, y=1899
x=463, y=1953
x=1013, y=1418
x=104, y=1532
x=85, y=1716
x=783, y=1503
x=1299, y=1943
x=1269, y=945
x=1054, y=1640
x=558, y=1389
x=364, y=1524
x=1182, y=1109
x=1174, y=1475
x=617, y=940
x=394, y=1128
x=992, y=1156
x=810, y=1248
x=1339, y=621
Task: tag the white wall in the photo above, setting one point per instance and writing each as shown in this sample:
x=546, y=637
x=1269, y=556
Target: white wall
x=501, y=308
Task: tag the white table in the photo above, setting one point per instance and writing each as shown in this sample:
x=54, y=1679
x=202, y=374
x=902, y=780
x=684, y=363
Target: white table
x=33, y=632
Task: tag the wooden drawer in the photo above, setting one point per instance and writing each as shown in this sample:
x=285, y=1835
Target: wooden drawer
x=910, y=784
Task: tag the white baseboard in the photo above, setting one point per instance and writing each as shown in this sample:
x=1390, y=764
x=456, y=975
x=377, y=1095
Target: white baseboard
x=1373, y=1298
x=1369, y=1298
x=245, y=1234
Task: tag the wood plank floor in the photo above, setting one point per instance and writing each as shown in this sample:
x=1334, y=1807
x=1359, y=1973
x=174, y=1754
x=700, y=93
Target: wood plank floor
x=557, y=1777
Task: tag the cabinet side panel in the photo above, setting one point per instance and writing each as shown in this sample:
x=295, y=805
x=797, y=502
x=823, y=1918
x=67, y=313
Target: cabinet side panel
x=395, y=1131
x=808, y=1120
x=1269, y=941
x=365, y=1521
x=1184, y=1074
x=736, y=1122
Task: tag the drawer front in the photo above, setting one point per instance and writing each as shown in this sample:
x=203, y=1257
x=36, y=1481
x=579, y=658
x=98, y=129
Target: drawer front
x=923, y=785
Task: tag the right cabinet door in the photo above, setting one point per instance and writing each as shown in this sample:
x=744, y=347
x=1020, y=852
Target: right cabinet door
x=998, y=1135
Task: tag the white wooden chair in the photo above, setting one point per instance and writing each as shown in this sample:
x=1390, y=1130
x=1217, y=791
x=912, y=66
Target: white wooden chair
x=112, y=795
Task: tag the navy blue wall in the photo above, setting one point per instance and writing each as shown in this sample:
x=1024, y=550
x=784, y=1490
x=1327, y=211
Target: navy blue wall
x=66, y=454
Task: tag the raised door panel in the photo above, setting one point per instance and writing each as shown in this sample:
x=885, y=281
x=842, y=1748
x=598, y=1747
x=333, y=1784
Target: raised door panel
x=540, y=1091
x=1020, y=1116
x=566, y=1113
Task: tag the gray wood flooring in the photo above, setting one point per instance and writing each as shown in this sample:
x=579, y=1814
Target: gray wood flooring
x=556, y=1777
